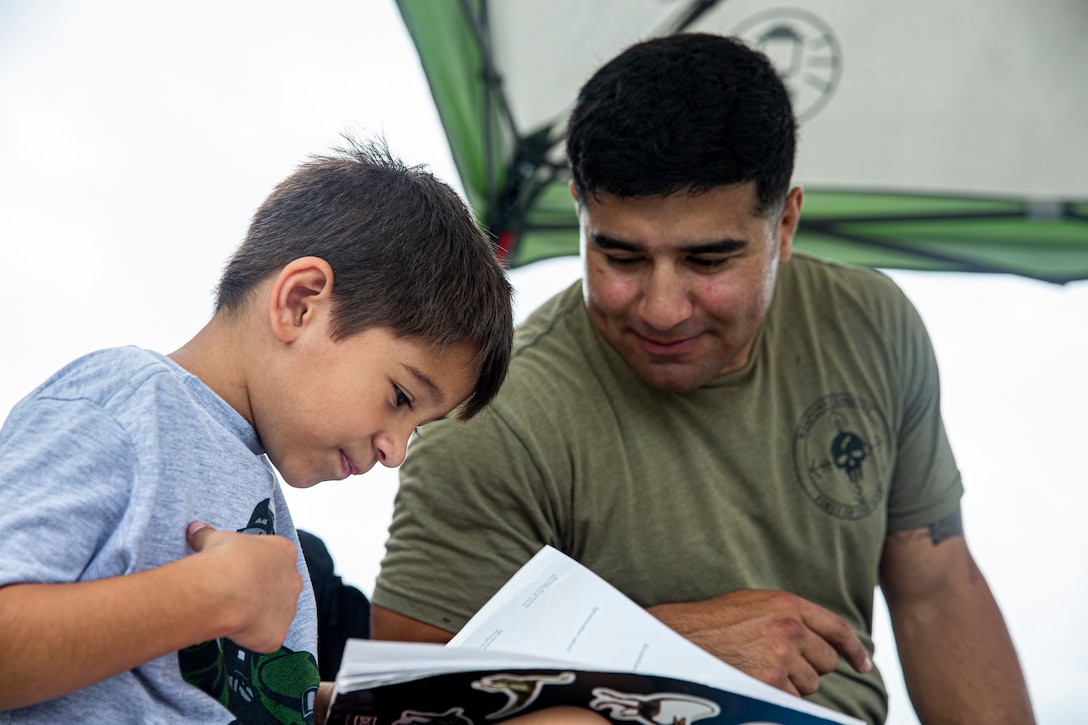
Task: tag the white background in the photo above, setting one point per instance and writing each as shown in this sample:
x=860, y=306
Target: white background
x=137, y=138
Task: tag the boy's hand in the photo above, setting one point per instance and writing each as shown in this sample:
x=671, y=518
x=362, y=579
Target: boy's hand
x=255, y=577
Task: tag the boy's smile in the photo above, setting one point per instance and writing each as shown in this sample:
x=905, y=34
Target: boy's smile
x=349, y=467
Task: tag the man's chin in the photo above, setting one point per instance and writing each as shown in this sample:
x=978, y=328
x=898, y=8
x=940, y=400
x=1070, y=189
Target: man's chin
x=672, y=378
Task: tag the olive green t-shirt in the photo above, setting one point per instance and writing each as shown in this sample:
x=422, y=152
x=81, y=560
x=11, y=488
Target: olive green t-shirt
x=787, y=474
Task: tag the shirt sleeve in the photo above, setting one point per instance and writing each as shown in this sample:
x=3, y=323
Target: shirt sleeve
x=473, y=506
x=66, y=471
x=926, y=484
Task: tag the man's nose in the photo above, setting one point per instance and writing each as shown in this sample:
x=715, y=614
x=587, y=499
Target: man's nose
x=666, y=301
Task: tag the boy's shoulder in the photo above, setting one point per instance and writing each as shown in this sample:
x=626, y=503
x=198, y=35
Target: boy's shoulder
x=103, y=372
x=134, y=395
x=126, y=384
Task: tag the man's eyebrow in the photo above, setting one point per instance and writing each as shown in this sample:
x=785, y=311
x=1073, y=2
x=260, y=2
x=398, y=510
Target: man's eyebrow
x=721, y=246
x=419, y=375
x=603, y=241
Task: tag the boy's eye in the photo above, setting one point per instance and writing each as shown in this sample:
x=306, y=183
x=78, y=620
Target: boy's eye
x=401, y=398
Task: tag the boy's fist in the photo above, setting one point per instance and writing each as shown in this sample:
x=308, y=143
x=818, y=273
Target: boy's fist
x=254, y=580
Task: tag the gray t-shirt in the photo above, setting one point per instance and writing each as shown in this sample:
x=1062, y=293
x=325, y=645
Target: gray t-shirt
x=101, y=470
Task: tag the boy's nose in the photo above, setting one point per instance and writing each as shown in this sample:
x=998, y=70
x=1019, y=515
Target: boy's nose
x=391, y=449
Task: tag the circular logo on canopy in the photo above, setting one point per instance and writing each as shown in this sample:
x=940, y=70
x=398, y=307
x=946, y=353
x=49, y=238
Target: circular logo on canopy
x=840, y=453
x=804, y=51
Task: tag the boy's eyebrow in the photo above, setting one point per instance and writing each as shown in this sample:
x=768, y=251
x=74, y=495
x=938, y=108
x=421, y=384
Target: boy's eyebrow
x=419, y=375
x=434, y=420
x=721, y=246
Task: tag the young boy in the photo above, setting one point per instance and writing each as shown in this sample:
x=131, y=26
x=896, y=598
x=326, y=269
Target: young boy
x=363, y=303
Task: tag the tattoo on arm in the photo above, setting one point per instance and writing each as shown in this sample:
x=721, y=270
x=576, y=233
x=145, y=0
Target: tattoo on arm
x=951, y=525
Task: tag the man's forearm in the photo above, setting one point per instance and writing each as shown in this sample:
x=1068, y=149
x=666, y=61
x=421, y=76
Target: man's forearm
x=959, y=661
x=389, y=625
x=960, y=665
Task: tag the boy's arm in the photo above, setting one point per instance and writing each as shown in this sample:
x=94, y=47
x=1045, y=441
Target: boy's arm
x=59, y=638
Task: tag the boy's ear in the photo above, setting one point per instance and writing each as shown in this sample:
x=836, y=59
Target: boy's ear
x=299, y=292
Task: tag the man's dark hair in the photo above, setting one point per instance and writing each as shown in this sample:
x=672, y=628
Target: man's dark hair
x=405, y=250
x=691, y=111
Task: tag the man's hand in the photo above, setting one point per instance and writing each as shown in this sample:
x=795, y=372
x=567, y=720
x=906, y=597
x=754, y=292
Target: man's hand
x=257, y=580
x=774, y=636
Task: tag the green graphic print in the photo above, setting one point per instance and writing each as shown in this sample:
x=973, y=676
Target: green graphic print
x=257, y=688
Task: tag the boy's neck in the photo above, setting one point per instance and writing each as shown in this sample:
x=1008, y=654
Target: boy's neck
x=215, y=356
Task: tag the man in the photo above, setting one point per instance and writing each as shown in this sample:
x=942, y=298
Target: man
x=744, y=440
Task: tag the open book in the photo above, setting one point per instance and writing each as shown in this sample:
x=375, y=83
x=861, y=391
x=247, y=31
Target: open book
x=557, y=634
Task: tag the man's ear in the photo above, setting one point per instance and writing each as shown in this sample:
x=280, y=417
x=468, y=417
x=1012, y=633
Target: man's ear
x=300, y=291
x=788, y=221
x=574, y=195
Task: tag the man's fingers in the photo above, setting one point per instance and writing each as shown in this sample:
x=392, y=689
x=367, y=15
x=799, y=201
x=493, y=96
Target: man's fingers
x=802, y=681
x=779, y=638
x=820, y=655
x=834, y=630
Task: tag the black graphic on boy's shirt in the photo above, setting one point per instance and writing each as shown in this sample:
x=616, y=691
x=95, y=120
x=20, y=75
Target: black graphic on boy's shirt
x=257, y=688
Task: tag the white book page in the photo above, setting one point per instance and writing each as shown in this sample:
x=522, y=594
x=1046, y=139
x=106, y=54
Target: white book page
x=367, y=663
x=556, y=608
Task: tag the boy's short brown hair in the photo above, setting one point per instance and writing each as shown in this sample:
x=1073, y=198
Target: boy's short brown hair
x=405, y=250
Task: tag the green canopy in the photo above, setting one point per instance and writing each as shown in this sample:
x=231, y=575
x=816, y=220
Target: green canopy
x=935, y=134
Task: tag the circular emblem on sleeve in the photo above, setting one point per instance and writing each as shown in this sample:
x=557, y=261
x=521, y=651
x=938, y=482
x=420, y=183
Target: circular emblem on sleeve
x=840, y=453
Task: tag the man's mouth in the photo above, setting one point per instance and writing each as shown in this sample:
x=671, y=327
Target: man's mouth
x=667, y=346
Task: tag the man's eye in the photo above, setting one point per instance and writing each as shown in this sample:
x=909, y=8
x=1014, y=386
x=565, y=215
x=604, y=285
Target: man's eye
x=709, y=262
x=623, y=261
